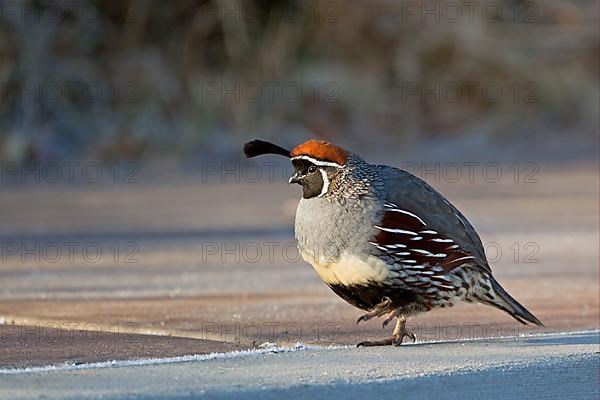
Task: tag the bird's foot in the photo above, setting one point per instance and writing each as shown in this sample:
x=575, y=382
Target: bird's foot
x=391, y=315
x=404, y=334
x=395, y=340
x=377, y=311
x=371, y=343
x=365, y=317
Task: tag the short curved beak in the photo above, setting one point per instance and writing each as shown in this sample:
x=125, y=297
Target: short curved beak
x=294, y=179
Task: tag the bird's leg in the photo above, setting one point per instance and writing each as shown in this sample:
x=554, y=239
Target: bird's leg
x=391, y=315
x=377, y=311
x=400, y=332
x=397, y=336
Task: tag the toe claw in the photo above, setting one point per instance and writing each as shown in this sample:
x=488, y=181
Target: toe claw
x=368, y=343
x=410, y=335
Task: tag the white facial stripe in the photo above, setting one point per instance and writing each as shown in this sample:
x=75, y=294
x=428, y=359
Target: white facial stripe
x=325, y=183
x=318, y=162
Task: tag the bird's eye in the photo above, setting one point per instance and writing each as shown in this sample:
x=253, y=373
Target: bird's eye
x=312, y=169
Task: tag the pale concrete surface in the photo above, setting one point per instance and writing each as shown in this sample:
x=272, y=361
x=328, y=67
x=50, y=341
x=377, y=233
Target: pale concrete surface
x=537, y=367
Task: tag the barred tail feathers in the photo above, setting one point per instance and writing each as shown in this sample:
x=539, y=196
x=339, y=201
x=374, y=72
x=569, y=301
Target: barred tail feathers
x=497, y=297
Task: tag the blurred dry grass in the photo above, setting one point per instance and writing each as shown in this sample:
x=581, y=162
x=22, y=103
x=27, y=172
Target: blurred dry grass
x=157, y=65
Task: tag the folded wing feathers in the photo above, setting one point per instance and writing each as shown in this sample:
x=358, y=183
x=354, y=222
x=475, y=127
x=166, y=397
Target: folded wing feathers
x=426, y=256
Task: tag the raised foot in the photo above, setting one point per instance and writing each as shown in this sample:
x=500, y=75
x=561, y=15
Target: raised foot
x=390, y=317
x=394, y=340
x=378, y=311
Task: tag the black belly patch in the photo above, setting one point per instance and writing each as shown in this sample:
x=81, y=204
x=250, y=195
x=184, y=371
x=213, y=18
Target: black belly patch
x=368, y=296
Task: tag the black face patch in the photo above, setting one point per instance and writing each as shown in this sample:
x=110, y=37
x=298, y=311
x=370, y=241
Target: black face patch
x=302, y=166
x=310, y=178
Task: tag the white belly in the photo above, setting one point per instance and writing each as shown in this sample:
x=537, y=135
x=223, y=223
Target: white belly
x=350, y=270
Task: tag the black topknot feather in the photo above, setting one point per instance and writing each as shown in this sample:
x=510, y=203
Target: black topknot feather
x=258, y=147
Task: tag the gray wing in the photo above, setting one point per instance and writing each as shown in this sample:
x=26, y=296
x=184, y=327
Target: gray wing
x=414, y=206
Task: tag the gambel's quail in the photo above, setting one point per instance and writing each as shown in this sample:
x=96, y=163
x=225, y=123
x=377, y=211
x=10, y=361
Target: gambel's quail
x=384, y=240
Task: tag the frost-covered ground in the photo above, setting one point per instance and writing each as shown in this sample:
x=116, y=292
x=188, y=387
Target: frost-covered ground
x=553, y=366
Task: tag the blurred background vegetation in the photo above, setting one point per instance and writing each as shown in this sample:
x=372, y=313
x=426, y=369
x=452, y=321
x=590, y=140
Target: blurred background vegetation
x=190, y=79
